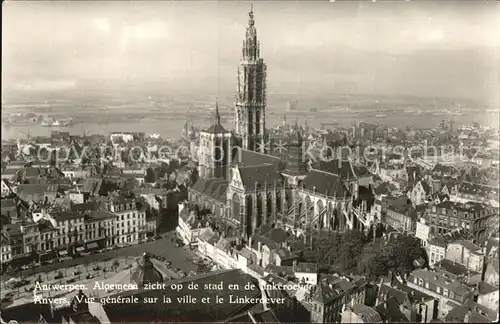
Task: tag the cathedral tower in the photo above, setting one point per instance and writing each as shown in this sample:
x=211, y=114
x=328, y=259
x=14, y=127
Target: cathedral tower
x=250, y=103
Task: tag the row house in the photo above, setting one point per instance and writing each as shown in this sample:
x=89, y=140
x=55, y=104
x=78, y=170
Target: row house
x=328, y=298
x=6, y=252
x=269, y=246
x=206, y=243
x=488, y=295
x=77, y=172
x=448, y=216
x=155, y=197
x=401, y=215
x=48, y=235
x=14, y=233
x=448, y=291
x=130, y=221
x=70, y=231
x=99, y=229
x=458, y=271
x=31, y=236
x=420, y=194
x=290, y=310
x=417, y=307
x=475, y=192
x=152, y=218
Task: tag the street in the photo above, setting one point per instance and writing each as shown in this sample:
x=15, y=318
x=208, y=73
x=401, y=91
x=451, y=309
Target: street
x=179, y=256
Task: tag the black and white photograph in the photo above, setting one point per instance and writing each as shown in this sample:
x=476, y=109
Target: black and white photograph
x=330, y=161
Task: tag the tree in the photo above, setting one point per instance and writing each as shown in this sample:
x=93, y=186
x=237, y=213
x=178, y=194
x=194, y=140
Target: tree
x=115, y=265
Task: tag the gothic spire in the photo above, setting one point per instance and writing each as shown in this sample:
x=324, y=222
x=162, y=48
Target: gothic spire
x=251, y=45
x=217, y=115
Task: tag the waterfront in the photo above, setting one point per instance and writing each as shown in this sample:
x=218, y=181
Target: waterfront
x=171, y=126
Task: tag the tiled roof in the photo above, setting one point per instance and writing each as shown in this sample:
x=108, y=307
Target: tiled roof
x=326, y=184
x=402, y=293
x=440, y=280
x=214, y=188
x=367, y=313
x=216, y=129
x=449, y=266
x=340, y=168
x=65, y=215
x=458, y=313
x=13, y=229
x=259, y=176
x=277, y=235
x=101, y=214
x=84, y=206
x=250, y=158
x=477, y=189
x=468, y=245
x=485, y=288
x=390, y=311
x=34, y=189
x=45, y=226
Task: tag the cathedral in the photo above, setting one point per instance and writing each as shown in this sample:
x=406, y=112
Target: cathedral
x=249, y=177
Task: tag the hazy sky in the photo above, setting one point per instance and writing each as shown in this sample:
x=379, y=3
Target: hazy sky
x=438, y=48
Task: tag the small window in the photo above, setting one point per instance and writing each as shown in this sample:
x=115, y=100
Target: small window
x=445, y=292
x=438, y=289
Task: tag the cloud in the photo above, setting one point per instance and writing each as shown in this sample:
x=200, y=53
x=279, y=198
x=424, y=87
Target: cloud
x=102, y=24
x=432, y=36
x=46, y=85
x=147, y=31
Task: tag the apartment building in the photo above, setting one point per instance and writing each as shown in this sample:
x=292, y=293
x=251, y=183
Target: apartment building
x=99, y=229
x=436, y=250
x=31, y=236
x=467, y=254
x=448, y=216
x=48, y=234
x=70, y=230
